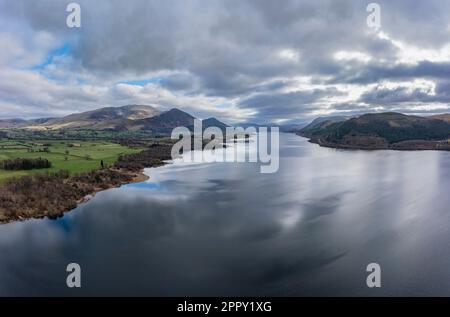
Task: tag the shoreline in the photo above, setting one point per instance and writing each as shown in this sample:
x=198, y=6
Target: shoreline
x=410, y=145
x=137, y=178
x=52, y=195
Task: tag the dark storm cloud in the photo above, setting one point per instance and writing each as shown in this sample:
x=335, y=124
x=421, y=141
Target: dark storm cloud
x=240, y=86
x=246, y=52
x=399, y=95
x=209, y=38
x=178, y=82
x=375, y=73
x=422, y=23
x=282, y=105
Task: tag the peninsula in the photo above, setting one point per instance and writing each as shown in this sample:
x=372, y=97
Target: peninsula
x=381, y=131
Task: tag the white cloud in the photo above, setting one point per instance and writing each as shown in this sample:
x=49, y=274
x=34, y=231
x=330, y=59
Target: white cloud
x=289, y=55
x=349, y=56
x=294, y=60
x=411, y=54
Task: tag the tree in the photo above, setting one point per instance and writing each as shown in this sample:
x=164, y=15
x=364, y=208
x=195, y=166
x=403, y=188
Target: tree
x=24, y=164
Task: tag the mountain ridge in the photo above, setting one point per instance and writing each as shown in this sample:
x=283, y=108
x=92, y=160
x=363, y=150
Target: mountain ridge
x=388, y=130
x=124, y=118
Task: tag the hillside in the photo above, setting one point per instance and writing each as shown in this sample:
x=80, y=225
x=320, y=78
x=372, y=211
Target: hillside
x=114, y=118
x=383, y=131
x=133, y=118
x=444, y=116
x=320, y=124
x=166, y=121
x=213, y=122
x=12, y=123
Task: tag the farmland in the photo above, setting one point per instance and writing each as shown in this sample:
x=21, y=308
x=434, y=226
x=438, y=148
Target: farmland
x=73, y=156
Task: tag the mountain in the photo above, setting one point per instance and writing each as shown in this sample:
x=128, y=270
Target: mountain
x=246, y=125
x=321, y=123
x=166, y=121
x=444, y=116
x=38, y=121
x=12, y=123
x=113, y=118
x=291, y=127
x=126, y=118
x=286, y=127
x=388, y=130
x=213, y=122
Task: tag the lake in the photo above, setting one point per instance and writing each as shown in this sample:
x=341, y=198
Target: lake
x=218, y=229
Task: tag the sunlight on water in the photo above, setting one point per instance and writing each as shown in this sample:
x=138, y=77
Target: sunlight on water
x=226, y=229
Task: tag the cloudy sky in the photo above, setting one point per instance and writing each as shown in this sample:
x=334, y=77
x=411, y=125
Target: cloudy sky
x=239, y=60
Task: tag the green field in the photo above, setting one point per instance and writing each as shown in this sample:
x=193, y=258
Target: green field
x=82, y=156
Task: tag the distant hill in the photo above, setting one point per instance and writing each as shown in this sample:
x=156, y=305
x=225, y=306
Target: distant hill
x=39, y=121
x=213, y=122
x=322, y=123
x=12, y=123
x=246, y=125
x=444, y=116
x=291, y=127
x=113, y=118
x=288, y=128
x=382, y=131
x=166, y=121
x=126, y=118
x=20, y=123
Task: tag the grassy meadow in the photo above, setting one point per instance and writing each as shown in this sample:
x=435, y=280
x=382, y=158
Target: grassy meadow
x=73, y=156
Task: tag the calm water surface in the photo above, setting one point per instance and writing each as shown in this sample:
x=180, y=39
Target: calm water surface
x=225, y=229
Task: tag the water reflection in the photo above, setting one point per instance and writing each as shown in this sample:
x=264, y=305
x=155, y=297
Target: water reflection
x=226, y=229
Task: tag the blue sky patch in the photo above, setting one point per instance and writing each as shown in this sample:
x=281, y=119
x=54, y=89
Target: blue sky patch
x=143, y=82
x=63, y=50
x=223, y=106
